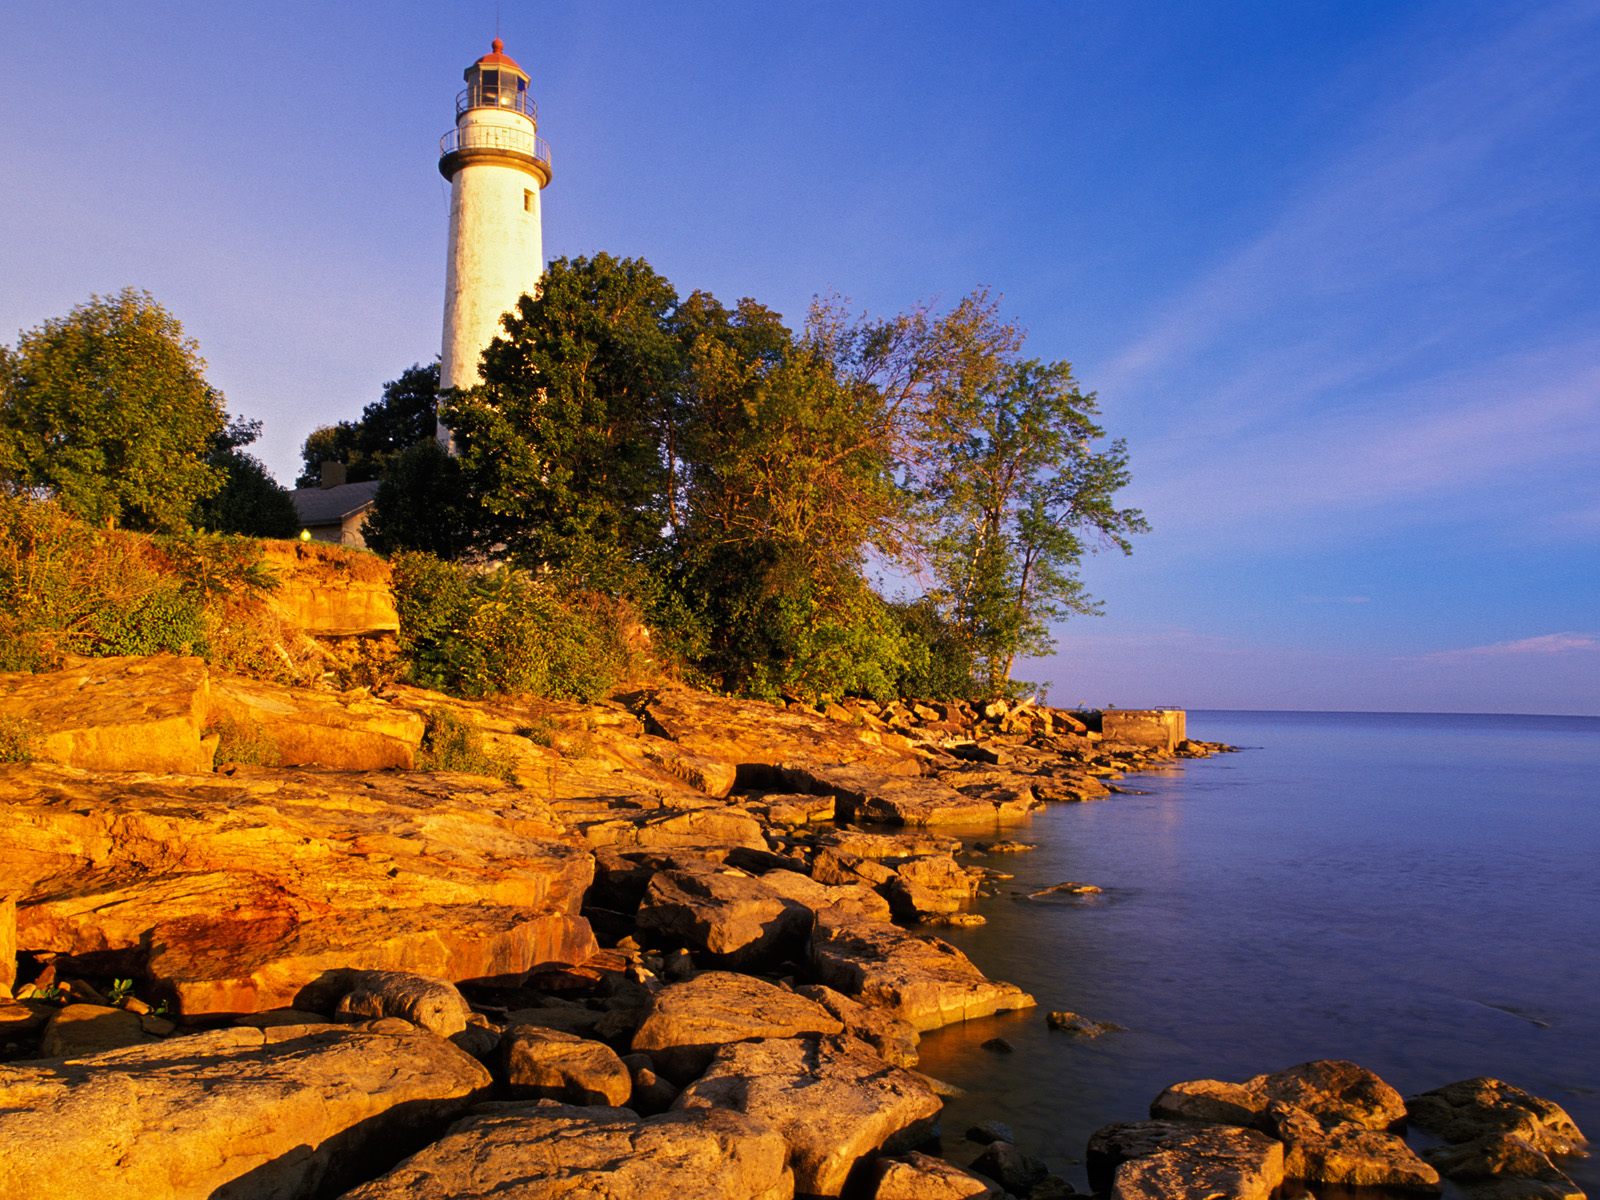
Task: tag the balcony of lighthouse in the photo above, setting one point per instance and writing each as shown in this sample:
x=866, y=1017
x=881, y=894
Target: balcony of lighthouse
x=482, y=142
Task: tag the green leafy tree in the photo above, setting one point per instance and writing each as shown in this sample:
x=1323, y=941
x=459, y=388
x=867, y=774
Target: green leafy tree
x=423, y=504
x=251, y=501
x=1016, y=494
x=399, y=419
x=107, y=409
x=567, y=442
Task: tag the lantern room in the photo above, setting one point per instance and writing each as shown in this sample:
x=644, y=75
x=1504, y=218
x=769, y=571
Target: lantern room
x=496, y=81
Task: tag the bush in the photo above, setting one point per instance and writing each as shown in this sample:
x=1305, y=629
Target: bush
x=17, y=737
x=246, y=743
x=450, y=744
x=67, y=588
x=478, y=632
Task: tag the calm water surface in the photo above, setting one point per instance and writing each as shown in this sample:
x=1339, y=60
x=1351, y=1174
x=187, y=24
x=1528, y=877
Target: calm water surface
x=1418, y=893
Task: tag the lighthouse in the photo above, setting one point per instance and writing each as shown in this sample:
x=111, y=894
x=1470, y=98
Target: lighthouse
x=497, y=165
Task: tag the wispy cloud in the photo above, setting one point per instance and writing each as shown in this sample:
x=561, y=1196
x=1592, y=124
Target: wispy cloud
x=1379, y=342
x=1334, y=599
x=1542, y=646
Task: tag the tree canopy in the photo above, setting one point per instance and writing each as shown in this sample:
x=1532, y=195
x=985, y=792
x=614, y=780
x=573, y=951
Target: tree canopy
x=741, y=479
x=400, y=418
x=108, y=411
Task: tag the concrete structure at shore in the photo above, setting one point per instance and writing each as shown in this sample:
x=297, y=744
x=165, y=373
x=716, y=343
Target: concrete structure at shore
x=498, y=166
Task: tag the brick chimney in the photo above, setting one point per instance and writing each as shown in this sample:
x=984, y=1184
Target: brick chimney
x=333, y=473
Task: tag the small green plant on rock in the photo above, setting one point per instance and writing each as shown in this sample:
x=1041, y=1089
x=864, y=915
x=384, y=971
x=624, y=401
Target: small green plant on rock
x=244, y=743
x=119, y=990
x=451, y=744
x=18, y=740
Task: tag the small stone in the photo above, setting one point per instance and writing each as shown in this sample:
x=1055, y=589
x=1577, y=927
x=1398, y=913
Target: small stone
x=1005, y=847
x=546, y=1064
x=1079, y=1025
x=1069, y=888
x=1010, y=1168
x=999, y=1045
x=985, y=1132
x=916, y=1176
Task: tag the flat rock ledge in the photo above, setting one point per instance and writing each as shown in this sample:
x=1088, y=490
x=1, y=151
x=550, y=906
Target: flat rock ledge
x=243, y=1113
x=534, y=1152
x=1161, y=1160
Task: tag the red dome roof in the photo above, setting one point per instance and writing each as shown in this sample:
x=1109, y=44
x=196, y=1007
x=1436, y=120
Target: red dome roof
x=497, y=58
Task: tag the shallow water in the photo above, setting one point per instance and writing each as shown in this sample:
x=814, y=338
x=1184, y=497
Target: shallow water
x=1417, y=893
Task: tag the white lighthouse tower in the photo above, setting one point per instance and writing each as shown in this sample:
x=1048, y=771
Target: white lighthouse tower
x=497, y=165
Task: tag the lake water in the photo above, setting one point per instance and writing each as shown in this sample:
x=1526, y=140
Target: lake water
x=1417, y=893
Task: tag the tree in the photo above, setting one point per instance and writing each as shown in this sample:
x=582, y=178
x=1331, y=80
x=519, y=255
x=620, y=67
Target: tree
x=423, y=504
x=402, y=417
x=107, y=409
x=567, y=441
x=1015, y=495
x=251, y=501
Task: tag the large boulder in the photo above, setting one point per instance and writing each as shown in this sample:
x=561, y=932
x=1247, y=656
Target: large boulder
x=235, y=893
x=916, y=1176
x=250, y=1114
x=116, y=714
x=1332, y=1090
x=925, y=981
x=840, y=900
x=721, y=912
x=690, y=1021
x=549, y=1064
x=1166, y=1160
x=1476, y=1108
x=80, y=1029
x=893, y=1039
x=834, y=1101
x=433, y=1004
x=1346, y=1154
x=550, y=1151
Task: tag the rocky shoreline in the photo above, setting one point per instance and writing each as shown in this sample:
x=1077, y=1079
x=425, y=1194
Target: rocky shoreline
x=685, y=947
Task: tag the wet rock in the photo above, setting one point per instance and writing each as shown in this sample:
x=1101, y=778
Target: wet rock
x=1476, y=1108
x=237, y=892
x=991, y=1131
x=927, y=982
x=727, y=914
x=550, y=1151
x=914, y=1176
x=1160, y=1160
x=999, y=1045
x=1081, y=1026
x=247, y=1113
x=832, y=1099
x=1069, y=888
x=1209, y=1100
x=892, y=1038
x=1346, y=1154
x=429, y=1003
x=930, y=885
x=546, y=1064
x=1013, y=1170
x=689, y=1022
x=1004, y=847
x=80, y=1029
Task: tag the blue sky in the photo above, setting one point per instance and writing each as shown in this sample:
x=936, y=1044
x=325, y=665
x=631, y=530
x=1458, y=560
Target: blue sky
x=1334, y=268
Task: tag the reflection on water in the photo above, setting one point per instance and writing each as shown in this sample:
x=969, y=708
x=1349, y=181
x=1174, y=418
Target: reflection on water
x=1416, y=893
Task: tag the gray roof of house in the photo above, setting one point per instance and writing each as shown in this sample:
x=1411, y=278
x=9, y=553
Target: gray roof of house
x=325, y=506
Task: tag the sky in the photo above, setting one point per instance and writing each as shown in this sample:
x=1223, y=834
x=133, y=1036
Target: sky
x=1333, y=268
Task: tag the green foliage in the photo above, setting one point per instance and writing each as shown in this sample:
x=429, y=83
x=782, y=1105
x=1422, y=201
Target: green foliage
x=940, y=663
x=567, y=442
x=251, y=502
x=477, y=632
x=424, y=504
x=402, y=417
x=107, y=410
x=244, y=743
x=68, y=588
x=119, y=990
x=18, y=740
x=450, y=744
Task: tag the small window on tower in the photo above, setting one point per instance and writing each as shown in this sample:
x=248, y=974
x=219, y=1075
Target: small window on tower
x=527, y=200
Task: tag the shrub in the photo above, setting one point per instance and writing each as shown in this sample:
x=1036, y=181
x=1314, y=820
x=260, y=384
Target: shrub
x=478, y=632
x=450, y=744
x=246, y=743
x=17, y=739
